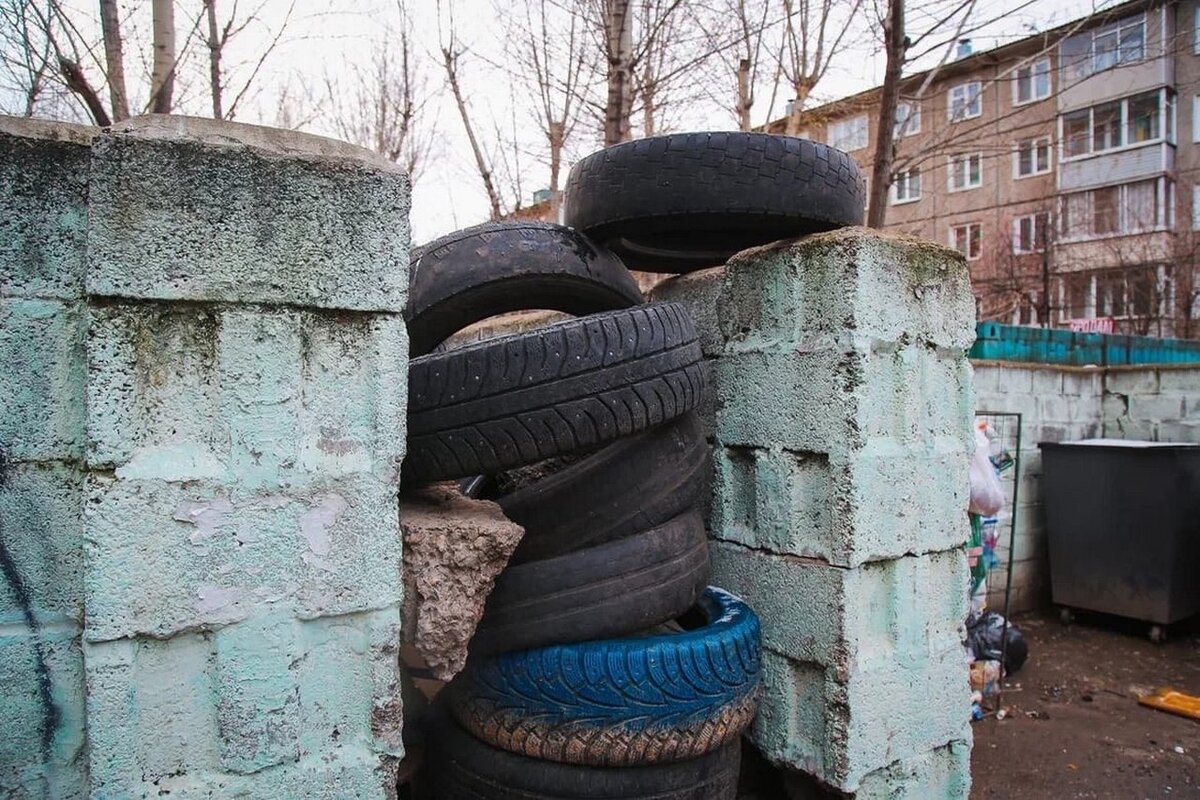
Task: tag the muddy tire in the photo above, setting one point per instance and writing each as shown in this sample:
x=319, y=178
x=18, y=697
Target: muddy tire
x=691, y=200
x=460, y=767
x=498, y=267
x=609, y=590
x=621, y=702
x=572, y=386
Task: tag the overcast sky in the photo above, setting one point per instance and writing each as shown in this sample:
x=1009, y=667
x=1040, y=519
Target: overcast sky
x=327, y=40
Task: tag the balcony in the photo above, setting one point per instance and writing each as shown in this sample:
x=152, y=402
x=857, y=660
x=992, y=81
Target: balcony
x=1123, y=165
x=1120, y=81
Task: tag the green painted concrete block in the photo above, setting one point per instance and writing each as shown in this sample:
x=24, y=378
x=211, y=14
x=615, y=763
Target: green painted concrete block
x=864, y=665
x=42, y=372
x=43, y=213
x=941, y=774
x=259, y=397
x=166, y=557
x=40, y=505
x=187, y=208
x=42, y=751
x=850, y=285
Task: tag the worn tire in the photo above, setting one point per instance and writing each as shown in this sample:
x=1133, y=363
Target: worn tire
x=609, y=590
x=497, y=267
x=621, y=702
x=571, y=386
x=460, y=767
x=691, y=200
x=632, y=485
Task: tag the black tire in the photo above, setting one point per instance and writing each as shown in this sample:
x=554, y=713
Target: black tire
x=497, y=267
x=460, y=767
x=609, y=590
x=691, y=200
x=575, y=385
x=621, y=702
x=630, y=486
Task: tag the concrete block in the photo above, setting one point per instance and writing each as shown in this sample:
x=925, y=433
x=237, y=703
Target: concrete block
x=941, y=774
x=849, y=285
x=1047, y=381
x=42, y=752
x=187, y=208
x=43, y=211
x=1136, y=380
x=1179, y=379
x=698, y=291
x=877, y=647
x=1014, y=380
x=266, y=398
x=169, y=557
x=1158, y=407
x=1053, y=408
x=1169, y=431
x=41, y=507
x=42, y=373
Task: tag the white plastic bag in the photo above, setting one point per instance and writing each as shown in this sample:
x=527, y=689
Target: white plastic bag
x=987, y=495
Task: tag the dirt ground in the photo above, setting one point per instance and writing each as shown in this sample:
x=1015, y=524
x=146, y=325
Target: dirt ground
x=1074, y=728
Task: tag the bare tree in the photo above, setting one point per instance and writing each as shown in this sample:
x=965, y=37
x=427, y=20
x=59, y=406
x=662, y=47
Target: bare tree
x=162, y=78
x=616, y=22
x=815, y=34
x=114, y=58
x=750, y=21
x=217, y=39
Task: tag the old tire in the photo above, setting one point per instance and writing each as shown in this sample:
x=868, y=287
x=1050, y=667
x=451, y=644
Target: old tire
x=630, y=486
x=572, y=386
x=621, y=702
x=460, y=767
x=691, y=200
x=497, y=267
x=609, y=590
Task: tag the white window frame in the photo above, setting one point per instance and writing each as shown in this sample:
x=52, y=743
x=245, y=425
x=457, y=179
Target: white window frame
x=1196, y=32
x=907, y=181
x=1032, y=67
x=849, y=124
x=911, y=124
x=1087, y=66
x=1036, y=142
x=1165, y=126
x=1016, y=232
x=965, y=159
x=1196, y=207
x=1164, y=194
x=967, y=226
x=974, y=98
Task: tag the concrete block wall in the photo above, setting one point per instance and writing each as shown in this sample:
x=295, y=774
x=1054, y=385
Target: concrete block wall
x=1057, y=403
x=842, y=434
x=235, y=424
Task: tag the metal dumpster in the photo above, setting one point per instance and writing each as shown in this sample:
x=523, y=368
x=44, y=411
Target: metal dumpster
x=1123, y=523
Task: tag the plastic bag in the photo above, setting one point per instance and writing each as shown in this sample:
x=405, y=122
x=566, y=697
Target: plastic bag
x=987, y=495
x=985, y=636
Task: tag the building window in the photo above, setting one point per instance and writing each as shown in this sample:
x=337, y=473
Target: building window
x=966, y=172
x=968, y=240
x=908, y=118
x=1032, y=157
x=964, y=101
x=1122, y=123
x=1032, y=82
x=1130, y=208
x=1196, y=207
x=1122, y=42
x=1031, y=233
x=1196, y=32
x=849, y=134
x=906, y=186
x=1131, y=292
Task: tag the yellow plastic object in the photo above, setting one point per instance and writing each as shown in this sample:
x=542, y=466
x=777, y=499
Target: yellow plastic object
x=1173, y=702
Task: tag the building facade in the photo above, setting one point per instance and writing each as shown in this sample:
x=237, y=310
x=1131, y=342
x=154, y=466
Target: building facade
x=1064, y=166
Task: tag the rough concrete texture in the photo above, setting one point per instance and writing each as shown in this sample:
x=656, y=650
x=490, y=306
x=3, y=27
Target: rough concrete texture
x=843, y=377
x=862, y=666
x=43, y=213
x=454, y=548
x=699, y=291
x=287, y=217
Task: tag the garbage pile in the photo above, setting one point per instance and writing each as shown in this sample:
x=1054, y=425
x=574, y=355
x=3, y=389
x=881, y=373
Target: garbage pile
x=603, y=665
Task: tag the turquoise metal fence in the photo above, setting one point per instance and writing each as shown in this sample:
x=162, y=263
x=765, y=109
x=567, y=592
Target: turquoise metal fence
x=996, y=342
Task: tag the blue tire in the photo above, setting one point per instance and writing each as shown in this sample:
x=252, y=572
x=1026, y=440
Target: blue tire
x=621, y=702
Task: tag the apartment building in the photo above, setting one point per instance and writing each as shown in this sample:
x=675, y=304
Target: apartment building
x=1064, y=166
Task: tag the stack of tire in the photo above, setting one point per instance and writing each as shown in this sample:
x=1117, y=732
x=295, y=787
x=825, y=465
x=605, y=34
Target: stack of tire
x=604, y=666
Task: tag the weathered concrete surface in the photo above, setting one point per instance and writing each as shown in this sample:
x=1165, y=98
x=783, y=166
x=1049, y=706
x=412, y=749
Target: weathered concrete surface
x=842, y=438
x=454, y=548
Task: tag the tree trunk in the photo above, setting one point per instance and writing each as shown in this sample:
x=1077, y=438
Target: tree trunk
x=618, y=29
x=744, y=99
x=485, y=174
x=215, y=46
x=796, y=114
x=114, y=58
x=881, y=175
x=556, y=135
x=162, y=75
x=77, y=82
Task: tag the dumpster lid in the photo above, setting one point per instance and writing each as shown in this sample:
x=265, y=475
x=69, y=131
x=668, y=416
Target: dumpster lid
x=1130, y=443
